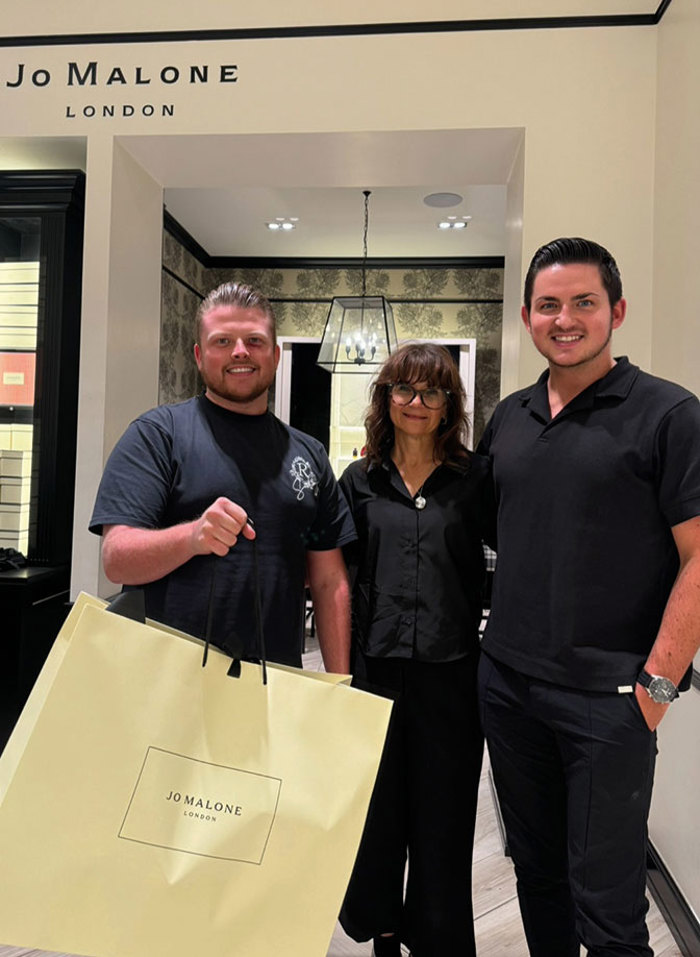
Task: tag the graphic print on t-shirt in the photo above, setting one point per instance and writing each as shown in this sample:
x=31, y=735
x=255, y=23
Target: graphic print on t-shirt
x=303, y=477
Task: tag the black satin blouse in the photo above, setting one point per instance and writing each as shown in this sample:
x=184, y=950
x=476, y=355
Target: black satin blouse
x=418, y=574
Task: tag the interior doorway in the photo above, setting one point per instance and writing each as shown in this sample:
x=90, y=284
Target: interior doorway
x=331, y=407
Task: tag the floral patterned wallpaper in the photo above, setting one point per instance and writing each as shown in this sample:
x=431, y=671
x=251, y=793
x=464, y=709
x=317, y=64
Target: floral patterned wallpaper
x=427, y=303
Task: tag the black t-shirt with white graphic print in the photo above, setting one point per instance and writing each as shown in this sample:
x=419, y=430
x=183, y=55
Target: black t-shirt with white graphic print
x=173, y=462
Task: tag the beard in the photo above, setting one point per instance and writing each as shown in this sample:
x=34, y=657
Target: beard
x=241, y=393
x=588, y=356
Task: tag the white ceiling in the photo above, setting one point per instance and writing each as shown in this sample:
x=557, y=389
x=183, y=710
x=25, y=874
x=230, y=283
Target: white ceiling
x=38, y=152
x=232, y=222
x=224, y=189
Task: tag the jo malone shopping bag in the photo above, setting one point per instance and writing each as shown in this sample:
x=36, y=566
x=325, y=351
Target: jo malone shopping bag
x=149, y=806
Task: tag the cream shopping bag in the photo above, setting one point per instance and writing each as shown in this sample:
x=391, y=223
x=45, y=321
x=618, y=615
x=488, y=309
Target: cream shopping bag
x=149, y=806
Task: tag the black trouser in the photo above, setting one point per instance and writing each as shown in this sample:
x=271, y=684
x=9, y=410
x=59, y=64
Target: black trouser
x=423, y=807
x=574, y=772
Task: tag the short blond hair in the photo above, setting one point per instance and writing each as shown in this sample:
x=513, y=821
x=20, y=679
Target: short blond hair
x=236, y=294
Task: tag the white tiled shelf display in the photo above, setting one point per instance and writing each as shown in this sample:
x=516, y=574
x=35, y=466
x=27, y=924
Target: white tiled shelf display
x=15, y=438
x=15, y=490
x=19, y=297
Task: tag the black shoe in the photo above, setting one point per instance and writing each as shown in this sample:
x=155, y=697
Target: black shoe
x=386, y=946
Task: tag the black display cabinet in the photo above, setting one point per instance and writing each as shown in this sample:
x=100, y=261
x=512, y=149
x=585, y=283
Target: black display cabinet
x=41, y=250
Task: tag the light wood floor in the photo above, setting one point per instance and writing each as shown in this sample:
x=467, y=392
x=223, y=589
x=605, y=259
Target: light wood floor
x=499, y=932
x=498, y=928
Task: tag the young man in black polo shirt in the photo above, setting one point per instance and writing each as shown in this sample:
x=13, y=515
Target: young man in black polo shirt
x=595, y=615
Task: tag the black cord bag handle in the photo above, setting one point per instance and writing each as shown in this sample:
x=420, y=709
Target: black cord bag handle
x=234, y=670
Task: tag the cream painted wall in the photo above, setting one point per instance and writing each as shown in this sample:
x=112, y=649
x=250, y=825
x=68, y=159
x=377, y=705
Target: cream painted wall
x=676, y=338
x=674, y=823
x=120, y=328
x=512, y=278
x=85, y=16
x=586, y=100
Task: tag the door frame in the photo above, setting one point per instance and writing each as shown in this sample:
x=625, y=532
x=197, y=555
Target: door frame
x=467, y=372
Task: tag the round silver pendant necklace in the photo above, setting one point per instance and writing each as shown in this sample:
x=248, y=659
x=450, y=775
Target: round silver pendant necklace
x=419, y=501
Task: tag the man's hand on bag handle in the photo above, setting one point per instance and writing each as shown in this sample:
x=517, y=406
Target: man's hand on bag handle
x=137, y=556
x=217, y=529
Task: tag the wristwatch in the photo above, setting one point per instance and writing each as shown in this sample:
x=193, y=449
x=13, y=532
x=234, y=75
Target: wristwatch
x=661, y=690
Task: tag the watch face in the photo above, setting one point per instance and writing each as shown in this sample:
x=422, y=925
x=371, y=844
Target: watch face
x=662, y=690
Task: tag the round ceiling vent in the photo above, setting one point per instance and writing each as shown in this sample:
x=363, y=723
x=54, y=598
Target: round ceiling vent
x=442, y=200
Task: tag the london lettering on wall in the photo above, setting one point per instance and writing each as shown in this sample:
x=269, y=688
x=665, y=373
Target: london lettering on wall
x=110, y=77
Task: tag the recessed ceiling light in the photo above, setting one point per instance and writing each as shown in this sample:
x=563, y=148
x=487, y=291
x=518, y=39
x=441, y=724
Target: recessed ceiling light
x=451, y=222
x=282, y=222
x=442, y=200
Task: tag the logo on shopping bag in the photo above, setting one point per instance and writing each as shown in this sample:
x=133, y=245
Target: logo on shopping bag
x=198, y=807
x=204, y=808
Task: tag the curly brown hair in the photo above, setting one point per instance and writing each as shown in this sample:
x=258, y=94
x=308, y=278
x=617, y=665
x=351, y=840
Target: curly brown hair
x=419, y=362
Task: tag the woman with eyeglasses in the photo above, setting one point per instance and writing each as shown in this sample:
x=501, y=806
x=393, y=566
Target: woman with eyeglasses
x=421, y=504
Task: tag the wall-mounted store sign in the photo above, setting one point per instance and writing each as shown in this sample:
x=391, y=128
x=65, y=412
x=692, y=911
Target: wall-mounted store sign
x=92, y=74
x=117, y=77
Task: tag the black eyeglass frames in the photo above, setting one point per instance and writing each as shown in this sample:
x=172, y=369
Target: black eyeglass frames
x=432, y=398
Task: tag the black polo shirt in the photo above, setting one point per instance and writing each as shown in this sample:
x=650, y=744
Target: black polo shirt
x=418, y=574
x=586, y=503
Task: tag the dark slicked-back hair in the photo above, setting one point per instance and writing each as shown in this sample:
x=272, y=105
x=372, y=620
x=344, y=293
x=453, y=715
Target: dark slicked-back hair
x=563, y=251
x=418, y=362
x=235, y=294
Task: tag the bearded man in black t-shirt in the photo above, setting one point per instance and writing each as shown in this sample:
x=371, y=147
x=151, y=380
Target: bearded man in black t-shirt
x=189, y=486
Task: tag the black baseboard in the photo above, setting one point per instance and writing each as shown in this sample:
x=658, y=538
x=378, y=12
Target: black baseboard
x=681, y=921
x=499, y=816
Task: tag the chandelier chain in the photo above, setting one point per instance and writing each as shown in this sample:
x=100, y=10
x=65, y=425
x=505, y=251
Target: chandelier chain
x=366, y=193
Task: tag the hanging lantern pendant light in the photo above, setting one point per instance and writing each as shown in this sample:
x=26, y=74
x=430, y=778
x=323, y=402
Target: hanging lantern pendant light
x=360, y=345
x=359, y=330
